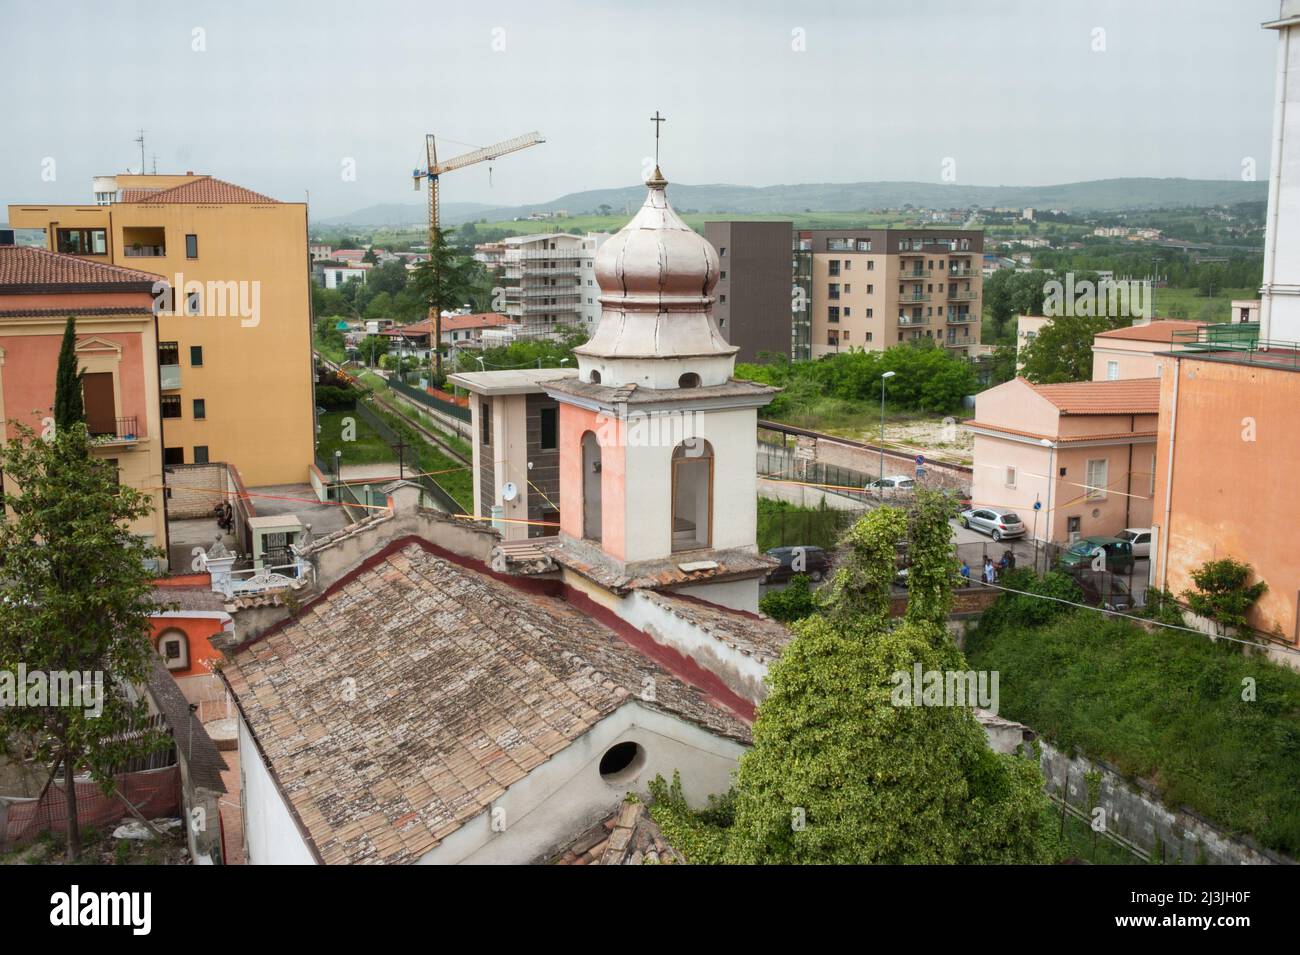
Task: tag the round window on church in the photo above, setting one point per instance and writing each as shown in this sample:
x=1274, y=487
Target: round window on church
x=689, y=380
x=621, y=762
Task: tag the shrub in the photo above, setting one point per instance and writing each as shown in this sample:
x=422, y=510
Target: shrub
x=793, y=603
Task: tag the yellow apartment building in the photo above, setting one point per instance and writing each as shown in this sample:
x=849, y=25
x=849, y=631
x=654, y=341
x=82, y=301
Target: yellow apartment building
x=234, y=311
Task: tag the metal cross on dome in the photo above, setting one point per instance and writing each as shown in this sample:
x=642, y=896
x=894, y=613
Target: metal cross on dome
x=657, y=119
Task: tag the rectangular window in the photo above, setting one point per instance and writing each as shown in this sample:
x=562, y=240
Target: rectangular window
x=1112, y=371
x=169, y=353
x=871, y=265
x=171, y=406
x=832, y=313
x=173, y=456
x=196, y=356
x=833, y=290
x=1096, y=480
x=870, y=313
x=1011, y=476
x=200, y=454
x=848, y=264
x=200, y=409
x=832, y=338
x=550, y=429
x=82, y=241
x=191, y=246
x=484, y=423
x=833, y=267
x=868, y=336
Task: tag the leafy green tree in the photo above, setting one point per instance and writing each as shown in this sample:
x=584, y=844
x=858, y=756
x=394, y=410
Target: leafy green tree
x=1062, y=350
x=1223, y=591
x=839, y=771
x=74, y=599
x=69, y=408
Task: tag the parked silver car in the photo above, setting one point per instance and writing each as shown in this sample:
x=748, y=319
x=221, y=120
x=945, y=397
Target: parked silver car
x=997, y=523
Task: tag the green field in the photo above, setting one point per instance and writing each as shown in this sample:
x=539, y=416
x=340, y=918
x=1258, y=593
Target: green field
x=1189, y=303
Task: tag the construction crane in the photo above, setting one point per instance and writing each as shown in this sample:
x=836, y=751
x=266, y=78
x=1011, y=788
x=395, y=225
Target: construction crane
x=432, y=172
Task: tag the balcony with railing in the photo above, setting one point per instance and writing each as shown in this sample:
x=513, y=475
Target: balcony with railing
x=961, y=273
x=909, y=297
x=957, y=296
x=911, y=321
x=122, y=431
x=1236, y=343
x=960, y=318
x=911, y=275
x=169, y=377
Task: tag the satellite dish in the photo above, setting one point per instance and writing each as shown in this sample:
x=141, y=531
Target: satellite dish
x=509, y=492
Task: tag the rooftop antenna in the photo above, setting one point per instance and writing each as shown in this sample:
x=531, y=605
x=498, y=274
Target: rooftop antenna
x=155, y=164
x=140, y=139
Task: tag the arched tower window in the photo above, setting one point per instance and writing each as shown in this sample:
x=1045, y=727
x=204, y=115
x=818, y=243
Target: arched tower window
x=689, y=380
x=590, y=487
x=692, y=495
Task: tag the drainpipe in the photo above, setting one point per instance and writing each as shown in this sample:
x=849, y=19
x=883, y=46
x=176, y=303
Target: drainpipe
x=1169, y=479
x=1275, y=183
x=1128, y=497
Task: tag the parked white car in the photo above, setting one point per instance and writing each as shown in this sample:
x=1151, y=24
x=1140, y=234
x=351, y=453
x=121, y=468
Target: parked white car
x=892, y=484
x=1139, y=537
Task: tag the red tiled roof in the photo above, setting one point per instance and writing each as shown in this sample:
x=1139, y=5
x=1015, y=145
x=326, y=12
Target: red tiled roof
x=24, y=269
x=1067, y=439
x=1132, y=396
x=204, y=189
x=457, y=323
x=73, y=310
x=1161, y=330
x=138, y=195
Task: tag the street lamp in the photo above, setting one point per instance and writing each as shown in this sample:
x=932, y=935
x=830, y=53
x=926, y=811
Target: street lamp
x=881, y=488
x=481, y=366
x=1051, y=475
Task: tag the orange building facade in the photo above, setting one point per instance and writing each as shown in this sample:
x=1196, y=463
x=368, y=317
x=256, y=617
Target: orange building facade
x=1227, y=458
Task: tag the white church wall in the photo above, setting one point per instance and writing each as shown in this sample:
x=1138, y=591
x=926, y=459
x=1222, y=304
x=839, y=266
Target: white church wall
x=270, y=832
x=566, y=794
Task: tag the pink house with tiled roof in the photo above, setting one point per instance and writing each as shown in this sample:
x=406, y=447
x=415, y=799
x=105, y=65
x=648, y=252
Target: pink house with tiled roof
x=117, y=353
x=1083, y=451
x=1136, y=351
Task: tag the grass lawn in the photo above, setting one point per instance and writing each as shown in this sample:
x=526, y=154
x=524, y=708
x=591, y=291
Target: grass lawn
x=1191, y=304
x=1166, y=707
x=452, y=476
x=787, y=525
x=368, y=448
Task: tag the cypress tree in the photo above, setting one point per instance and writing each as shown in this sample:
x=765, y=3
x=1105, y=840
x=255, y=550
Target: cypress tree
x=69, y=409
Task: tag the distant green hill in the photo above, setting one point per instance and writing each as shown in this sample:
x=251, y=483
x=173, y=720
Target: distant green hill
x=1103, y=195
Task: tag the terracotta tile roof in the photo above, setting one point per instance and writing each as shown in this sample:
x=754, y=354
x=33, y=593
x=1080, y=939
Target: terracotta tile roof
x=138, y=194
x=73, y=310
x=628, y=836
x=463, y=686
x=203, y=761
x=1131, y=396
x=24, y=270
x=1161, y=330
x=481, y=320
x=759, y=637
x=205, y=189
x=1072, y=439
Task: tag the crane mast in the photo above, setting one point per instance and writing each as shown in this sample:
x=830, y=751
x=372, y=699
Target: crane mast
x=432, y=172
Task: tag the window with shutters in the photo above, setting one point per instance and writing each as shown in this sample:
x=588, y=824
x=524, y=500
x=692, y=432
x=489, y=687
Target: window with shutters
x=1096, y=480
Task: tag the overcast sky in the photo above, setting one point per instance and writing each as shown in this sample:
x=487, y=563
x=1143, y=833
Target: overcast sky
x=284, y=93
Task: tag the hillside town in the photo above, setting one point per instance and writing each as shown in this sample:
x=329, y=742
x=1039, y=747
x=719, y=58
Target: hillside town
x=633, y=532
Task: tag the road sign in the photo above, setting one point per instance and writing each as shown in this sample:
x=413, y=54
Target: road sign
x=1038, y=505
x=920, y=460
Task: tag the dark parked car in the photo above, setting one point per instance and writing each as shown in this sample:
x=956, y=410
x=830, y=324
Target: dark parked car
x=1119, y=554
x=798, y=560
x=1102, y=589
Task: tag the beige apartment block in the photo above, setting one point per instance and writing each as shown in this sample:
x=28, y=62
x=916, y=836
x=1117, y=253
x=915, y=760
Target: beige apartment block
x=875, y=288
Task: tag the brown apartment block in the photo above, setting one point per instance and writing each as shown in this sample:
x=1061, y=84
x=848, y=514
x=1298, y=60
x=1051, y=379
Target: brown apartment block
x=754, y=285
x=874, y=288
